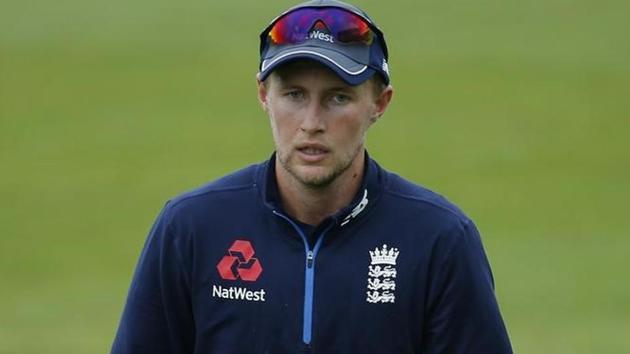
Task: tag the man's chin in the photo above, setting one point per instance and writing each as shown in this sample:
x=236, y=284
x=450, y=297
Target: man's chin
x=313, y=176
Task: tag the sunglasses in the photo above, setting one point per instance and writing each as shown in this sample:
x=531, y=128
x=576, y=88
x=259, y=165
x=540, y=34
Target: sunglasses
x=299, y=25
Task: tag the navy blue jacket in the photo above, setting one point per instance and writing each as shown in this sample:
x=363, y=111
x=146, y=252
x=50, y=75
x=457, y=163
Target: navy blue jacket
x=225, y=270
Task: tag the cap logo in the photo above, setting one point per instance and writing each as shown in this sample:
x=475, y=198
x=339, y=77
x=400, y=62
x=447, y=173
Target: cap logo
x=316, y=34
x=320, y=31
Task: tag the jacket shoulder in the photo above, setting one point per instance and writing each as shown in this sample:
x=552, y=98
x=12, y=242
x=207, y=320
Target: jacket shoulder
x=415, y=195
x=231, y=186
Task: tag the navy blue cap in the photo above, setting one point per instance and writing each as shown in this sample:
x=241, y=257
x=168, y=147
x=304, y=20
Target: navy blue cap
x=352, y=63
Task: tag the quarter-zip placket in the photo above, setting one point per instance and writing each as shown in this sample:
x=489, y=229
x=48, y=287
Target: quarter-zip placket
x=309, y=276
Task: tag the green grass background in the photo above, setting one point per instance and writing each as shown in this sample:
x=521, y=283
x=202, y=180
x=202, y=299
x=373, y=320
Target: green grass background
x=518, y=111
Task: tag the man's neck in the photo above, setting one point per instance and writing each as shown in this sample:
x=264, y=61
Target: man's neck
x=311, y=205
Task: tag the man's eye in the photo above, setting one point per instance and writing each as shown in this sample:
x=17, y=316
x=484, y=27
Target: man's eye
x=296, y=95
x=341, y=98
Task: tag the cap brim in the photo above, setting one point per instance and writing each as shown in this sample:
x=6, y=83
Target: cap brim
x=348, y=70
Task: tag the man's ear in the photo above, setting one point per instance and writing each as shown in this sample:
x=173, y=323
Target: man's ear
x=262, y=92
x=381, y=102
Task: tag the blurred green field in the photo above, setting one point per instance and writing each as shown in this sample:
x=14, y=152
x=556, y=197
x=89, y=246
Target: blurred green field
x=517, y=111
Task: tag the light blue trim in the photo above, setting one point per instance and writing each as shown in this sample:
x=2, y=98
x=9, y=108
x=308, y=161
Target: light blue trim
x=309, y=280
x=309, y=277
x=309, y=285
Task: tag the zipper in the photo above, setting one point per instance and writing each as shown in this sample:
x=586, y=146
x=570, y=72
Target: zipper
x=309, y=276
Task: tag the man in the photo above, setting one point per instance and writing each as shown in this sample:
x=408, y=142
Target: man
x=317, y=250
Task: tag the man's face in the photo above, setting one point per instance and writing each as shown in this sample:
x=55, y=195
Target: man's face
x=318, y=121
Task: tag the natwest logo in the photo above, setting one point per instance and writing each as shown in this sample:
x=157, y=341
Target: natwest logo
x=321, y=36
x=240, y=263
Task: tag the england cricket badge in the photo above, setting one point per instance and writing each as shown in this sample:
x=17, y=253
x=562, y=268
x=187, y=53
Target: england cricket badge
x=381, y=281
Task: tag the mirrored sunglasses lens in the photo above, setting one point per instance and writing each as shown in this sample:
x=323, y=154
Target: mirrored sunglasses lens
x=346, y=27
x=349, y=28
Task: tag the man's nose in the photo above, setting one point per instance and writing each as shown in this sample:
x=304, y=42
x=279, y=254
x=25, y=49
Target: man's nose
x=313, y=119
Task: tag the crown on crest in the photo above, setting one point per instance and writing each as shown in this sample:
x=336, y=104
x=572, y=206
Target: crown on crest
x=384, y=255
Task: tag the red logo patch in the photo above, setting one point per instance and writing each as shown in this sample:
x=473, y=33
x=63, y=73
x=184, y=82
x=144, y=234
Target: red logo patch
x=240, y=263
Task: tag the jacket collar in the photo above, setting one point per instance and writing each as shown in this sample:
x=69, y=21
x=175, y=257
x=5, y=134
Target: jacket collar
x=366, y=197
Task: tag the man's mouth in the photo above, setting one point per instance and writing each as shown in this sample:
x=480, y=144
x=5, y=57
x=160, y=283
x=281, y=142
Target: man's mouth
x=312, y=152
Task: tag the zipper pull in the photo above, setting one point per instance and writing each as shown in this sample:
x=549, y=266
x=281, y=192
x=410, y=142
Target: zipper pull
x=309, y=259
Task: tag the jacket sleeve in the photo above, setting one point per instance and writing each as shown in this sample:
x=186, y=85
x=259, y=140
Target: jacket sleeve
x=157, y=317
x=463, y=314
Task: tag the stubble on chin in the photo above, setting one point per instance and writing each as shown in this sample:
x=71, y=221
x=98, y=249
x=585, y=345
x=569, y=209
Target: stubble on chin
x=316, y=181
